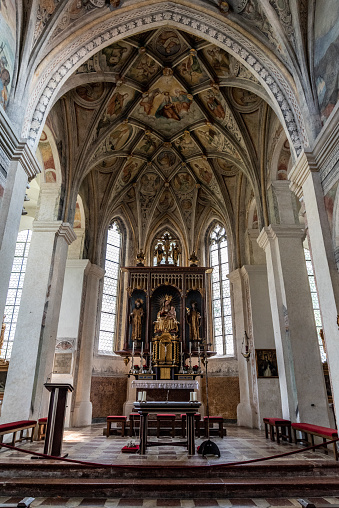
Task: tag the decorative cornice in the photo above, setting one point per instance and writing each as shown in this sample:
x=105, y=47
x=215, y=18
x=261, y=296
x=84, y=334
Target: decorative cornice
x=16, y=150
x=115, y=27
x=66, y=231
x=300, y=172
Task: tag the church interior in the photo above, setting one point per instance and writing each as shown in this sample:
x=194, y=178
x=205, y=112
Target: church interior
x=169, y=221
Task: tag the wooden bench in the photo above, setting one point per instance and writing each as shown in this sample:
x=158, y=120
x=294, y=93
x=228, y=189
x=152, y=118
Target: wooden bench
x=116, y=420
x=42, y=427
x=282, y=429
x=325, y=433
x=14, y=427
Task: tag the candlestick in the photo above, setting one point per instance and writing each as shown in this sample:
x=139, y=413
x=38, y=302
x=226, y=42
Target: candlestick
x=181, y=348
x=190, y=347
x=142, y=348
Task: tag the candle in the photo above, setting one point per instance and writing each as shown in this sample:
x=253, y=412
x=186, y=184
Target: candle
x=133, y=349
x=190, y=347
x=139, y=396
x=181, y=347
x=199, y=349
x=143, y=397
x=193, y=397
x=142, y=348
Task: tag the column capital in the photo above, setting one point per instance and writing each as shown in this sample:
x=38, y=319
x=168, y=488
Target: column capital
x=249, y=269
x=16, y=149
x=234, y=276
x=94, y=271
x=270, y=233
x=67, y=232
x=301, y=170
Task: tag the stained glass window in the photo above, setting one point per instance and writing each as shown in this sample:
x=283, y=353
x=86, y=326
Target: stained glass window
x=167, y=243
x=315, y=301
x=14, y=290
x=110, y=291
x=221, y=293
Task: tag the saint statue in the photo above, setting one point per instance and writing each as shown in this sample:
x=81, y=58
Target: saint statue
x=166, y=317
x=193, y=319
x=175, y=254
x=136, y=318
x=159, y=252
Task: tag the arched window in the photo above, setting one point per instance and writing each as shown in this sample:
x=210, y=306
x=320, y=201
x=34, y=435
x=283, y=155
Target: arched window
x=110, y=291
x=14, y=290
x=221, y=294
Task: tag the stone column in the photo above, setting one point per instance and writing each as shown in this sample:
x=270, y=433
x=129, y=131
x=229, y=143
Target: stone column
x=295, y=334
x=34, y=343
x=246, y=411
x=83, y=406
x=306, y=183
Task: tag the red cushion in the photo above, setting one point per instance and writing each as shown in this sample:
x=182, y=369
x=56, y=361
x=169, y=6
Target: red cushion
x=130, y=449
x=166, y=415
x=116, y=417
x=15, y=425
x=134, y=414
x=308, y=427
x=276, y=421
x=42, y=420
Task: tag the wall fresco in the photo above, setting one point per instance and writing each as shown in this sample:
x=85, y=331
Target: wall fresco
x=7, y=48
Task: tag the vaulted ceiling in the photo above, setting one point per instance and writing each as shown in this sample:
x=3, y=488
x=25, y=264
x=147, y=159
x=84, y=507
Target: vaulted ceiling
x=165, y=127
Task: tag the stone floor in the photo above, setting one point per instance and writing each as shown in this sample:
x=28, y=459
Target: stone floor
x=330, y=502
x=89, y=444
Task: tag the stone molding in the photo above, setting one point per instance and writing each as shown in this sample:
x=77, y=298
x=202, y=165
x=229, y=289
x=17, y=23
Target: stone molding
x=271, y=233
x=115, y=27
x=165, y=384
x=77, y=263
x=67, y=232
x=40, y=226
x=323, y=158
x=249, y=269
x=16, y=150
x=234, y=276
x=94, y=271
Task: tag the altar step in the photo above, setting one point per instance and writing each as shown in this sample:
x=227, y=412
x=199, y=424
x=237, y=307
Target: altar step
x=178, y=482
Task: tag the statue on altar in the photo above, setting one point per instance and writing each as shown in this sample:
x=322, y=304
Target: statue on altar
x=193, y=319
x=166, y=317
x=159, y=253
x=136, y=319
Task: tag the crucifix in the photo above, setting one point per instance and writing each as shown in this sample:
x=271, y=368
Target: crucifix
x=167, y=247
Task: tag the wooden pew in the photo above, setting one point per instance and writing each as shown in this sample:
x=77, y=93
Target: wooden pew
x=14, y=427
x=315, y=430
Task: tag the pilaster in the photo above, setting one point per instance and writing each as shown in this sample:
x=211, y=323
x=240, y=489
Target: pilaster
x=83, y=406
x=294, y=326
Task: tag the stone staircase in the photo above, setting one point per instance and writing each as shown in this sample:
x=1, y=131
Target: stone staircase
x=167, y=481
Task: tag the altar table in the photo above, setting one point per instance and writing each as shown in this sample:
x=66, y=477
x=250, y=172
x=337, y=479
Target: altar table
x=145, y=408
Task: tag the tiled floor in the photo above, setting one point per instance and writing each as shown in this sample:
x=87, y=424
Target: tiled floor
x=89, y=444
x=162, y=503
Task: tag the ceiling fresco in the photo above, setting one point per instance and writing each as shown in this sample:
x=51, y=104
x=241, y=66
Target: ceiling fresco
x=161, y=130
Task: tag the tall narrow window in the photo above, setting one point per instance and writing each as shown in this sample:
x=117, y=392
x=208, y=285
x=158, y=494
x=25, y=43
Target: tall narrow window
x=221, y=294
x=110, y=291
x=315, y=301
x=14, y=290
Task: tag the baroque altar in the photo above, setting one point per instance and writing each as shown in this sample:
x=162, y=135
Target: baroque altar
x=166, y=321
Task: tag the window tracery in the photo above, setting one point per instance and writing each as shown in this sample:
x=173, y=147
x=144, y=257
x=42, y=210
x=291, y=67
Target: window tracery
x=221, y=293
x=110, y=291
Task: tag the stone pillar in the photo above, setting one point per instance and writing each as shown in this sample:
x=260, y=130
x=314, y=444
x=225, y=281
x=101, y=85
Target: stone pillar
x=246, y=411
x=83, y=406
x=306, y=183
x=295, y=334
x=17, y=165
x=266, y=392
x=34, y=343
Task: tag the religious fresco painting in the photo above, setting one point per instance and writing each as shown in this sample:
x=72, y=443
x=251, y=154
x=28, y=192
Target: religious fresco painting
x=7, y=48
x=326, y=62
x=329, y=199
x=148, y=144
